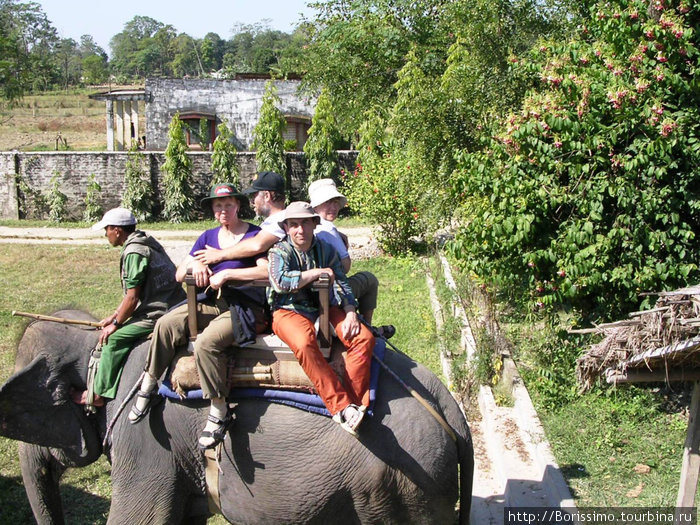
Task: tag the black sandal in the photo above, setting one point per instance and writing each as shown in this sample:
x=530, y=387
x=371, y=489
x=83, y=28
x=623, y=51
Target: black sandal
x=218, y=434
x=385, y=331
x=136, y=414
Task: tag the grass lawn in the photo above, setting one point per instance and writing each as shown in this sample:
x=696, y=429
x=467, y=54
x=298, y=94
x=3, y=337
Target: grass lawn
x=42, y=279
x=604, y=443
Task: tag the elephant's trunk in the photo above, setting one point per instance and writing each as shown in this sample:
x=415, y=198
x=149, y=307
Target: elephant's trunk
x=41, y=473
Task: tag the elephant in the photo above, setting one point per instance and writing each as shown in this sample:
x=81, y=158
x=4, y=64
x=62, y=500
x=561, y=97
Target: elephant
x=279, y=464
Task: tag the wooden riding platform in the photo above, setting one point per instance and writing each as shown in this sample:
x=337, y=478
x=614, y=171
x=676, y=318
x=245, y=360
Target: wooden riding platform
x=268, y=362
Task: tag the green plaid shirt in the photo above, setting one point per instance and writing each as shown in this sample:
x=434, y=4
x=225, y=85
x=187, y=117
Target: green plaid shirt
x=285, y=266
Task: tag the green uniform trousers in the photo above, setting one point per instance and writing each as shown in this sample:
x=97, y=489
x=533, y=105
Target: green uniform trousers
x=115, y=353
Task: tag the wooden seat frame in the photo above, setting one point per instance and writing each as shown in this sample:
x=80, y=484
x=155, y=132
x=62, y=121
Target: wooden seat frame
x=322, y=285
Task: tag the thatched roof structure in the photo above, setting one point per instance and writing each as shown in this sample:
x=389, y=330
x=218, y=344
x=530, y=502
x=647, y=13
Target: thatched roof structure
x=653, y=345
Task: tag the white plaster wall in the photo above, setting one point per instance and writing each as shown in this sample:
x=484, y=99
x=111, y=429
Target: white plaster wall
x=236, y=101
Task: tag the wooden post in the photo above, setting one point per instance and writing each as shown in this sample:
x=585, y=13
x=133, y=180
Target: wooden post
x=191, y=306
x=691, y=456
x=324, y=327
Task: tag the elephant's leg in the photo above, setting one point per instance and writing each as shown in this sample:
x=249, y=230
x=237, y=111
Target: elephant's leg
x=150, y=496
x=41, y=473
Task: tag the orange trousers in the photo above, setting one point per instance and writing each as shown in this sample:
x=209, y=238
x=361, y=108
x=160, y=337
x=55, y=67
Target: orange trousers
x=299, y=334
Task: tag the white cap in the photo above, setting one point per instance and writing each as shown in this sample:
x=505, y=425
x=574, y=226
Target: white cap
x=323, y=190
x=116, y=217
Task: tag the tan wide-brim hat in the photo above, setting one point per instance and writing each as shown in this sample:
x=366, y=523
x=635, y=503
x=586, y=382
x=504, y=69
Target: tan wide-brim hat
x=323, y=190
x=300, y=210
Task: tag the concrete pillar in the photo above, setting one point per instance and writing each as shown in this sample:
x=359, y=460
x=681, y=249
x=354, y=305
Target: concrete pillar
x=120, y=126
x=110, y=125
x=135, y=119
x=9, y=204
x=127, y=124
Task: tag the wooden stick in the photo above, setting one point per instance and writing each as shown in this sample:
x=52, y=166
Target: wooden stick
x=62, y=320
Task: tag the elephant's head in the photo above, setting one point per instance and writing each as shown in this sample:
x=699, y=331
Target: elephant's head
x=35, y=403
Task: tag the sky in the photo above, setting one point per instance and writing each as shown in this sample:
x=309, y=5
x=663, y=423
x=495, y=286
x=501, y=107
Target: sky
x=103, y=19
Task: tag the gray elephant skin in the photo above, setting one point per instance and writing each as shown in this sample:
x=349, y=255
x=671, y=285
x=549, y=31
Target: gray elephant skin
x=279, y=464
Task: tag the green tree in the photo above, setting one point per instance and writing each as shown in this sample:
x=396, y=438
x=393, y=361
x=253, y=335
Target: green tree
x=224, y=159
x=94, y=61
x=138, y=192
x=590, y=193
x=94, y=69
x=203, y=134
x=67, y=57
x=356, y=49
x=186, y=60
x=143, y=48
x=88, y=47
x=177, y=170
x=320, y=148
x=255, y=48
x=268, y=141
x=208, y=54
x=27, y=42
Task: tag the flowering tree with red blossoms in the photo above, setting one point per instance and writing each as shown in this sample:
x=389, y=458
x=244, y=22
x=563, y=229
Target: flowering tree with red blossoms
x=588, y=195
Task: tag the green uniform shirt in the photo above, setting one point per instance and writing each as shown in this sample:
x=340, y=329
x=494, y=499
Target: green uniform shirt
x=135, y=268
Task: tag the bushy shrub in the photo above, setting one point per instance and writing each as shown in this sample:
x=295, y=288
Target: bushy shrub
x=31, y=203
x=551, y=374
x=56, y=200
x=589, y=194
x=384, y=193
x=138, y=192
x=93, y=208
x=203, y=134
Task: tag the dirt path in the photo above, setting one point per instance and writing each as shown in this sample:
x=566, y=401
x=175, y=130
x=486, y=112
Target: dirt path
x=177, y=243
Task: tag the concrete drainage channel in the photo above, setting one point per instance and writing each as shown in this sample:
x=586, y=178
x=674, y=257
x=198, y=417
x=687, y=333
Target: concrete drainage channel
x=514, y=464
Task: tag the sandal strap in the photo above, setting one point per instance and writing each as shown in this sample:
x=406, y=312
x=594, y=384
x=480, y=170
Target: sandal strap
x=148, y=395
x=218, y=421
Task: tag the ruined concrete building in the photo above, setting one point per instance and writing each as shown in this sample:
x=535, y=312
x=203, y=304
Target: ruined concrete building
x=237, y=102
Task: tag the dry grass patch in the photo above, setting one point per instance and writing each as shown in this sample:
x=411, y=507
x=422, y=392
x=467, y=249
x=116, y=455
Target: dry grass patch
x=34, y=123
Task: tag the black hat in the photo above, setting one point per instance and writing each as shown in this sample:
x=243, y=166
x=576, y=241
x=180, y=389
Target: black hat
x=267, y=181
x=223, y=190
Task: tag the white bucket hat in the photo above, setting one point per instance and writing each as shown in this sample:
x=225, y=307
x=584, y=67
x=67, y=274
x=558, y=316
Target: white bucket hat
x=323, y=190
x=116, y=217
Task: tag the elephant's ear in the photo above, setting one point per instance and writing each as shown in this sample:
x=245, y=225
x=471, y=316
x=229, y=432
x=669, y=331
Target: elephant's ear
x=35, y=408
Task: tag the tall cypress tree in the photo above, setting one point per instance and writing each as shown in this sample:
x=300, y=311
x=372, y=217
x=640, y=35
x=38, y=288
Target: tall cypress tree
x=269, y=140
x=177, y=179
x=224, y=164
x=320, y=148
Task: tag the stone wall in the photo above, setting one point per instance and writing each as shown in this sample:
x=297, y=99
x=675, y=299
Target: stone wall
x=26, y=176
x=236, y=101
